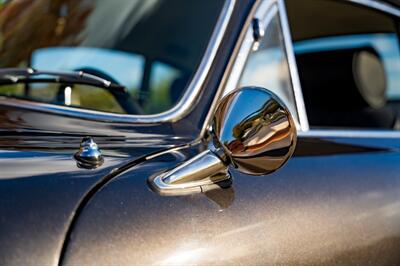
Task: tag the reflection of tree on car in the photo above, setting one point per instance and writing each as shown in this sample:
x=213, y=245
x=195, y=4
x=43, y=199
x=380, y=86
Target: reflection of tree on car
x=166, y=62
x=29, y=25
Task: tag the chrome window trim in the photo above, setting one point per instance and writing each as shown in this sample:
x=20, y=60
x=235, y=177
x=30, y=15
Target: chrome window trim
x=381, y=6
x=175, y=113
x=349, y=133
x=233, y=70
x=264, y=9
x=294, y=74
x=262, y=13
x=304, y=130
x=354, y=133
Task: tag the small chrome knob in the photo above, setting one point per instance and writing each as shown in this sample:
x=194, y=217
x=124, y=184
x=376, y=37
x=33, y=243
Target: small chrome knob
x=89, y=155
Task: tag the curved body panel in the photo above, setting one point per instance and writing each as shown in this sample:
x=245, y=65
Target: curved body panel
x=40, y=192
x=335, y=202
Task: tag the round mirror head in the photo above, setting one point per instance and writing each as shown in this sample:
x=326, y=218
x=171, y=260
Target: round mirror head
x=255, y=129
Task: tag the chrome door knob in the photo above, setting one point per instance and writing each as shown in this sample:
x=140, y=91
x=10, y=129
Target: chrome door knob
x=89, y=155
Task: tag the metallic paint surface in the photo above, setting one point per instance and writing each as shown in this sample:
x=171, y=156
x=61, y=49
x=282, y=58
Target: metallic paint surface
x=41, y=188
x=336, y=202
x=43, y=191
x=39, y=192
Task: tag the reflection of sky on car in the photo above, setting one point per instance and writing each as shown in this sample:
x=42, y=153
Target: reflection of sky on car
x=386, y=44
x=125, y=68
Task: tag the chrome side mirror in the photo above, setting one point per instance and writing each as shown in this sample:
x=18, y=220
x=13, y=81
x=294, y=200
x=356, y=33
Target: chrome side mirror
x=252, y=131
x=255, y=130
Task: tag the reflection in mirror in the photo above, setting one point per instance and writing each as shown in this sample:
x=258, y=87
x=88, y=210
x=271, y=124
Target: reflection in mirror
x=255, y=129
x=267, y=66
x=252, y=131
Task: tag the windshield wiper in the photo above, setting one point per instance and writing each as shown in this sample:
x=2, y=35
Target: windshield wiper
x=30, y=75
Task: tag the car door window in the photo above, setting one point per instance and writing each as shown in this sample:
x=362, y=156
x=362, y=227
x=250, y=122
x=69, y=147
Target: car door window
x=267, y=64
x=348, y=60
x=127, y=42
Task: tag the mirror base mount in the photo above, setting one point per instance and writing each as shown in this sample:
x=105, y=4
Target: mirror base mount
x=199, y=174
x=252, y=131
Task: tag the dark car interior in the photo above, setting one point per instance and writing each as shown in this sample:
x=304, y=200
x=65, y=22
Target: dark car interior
x=345, y=78
x=339, y=94
x=179, y=47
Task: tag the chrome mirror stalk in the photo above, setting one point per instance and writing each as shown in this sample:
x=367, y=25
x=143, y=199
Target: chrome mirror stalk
x=193, y=176
x=252, y=130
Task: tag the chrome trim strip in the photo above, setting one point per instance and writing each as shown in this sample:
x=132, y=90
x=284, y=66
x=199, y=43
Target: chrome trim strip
x=264, y=11
x=381, y=6
x=298, y=94
x=246, y=46
x=233, y=70
x=239, y=62
x=346, y=133
x=337, y=133
x=175, y=113
x=305, y=129
x=248, y=42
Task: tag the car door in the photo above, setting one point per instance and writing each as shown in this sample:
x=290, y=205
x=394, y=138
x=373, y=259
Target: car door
x=66, y=77
x=336, y=201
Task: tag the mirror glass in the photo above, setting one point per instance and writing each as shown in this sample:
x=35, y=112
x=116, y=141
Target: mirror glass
x=255, y=129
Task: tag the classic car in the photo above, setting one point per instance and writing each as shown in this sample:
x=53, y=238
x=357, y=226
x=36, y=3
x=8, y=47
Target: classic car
x=213, y=132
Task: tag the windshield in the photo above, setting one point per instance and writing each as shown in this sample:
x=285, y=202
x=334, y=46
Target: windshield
x=151, y=47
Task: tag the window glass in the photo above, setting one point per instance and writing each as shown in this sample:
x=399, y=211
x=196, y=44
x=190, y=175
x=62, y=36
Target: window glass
x=386, y=46
x=80, y=96
x=267, y=65
x=348, y=60
x=124, y=68
x=163, y=87
x=128, y=42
